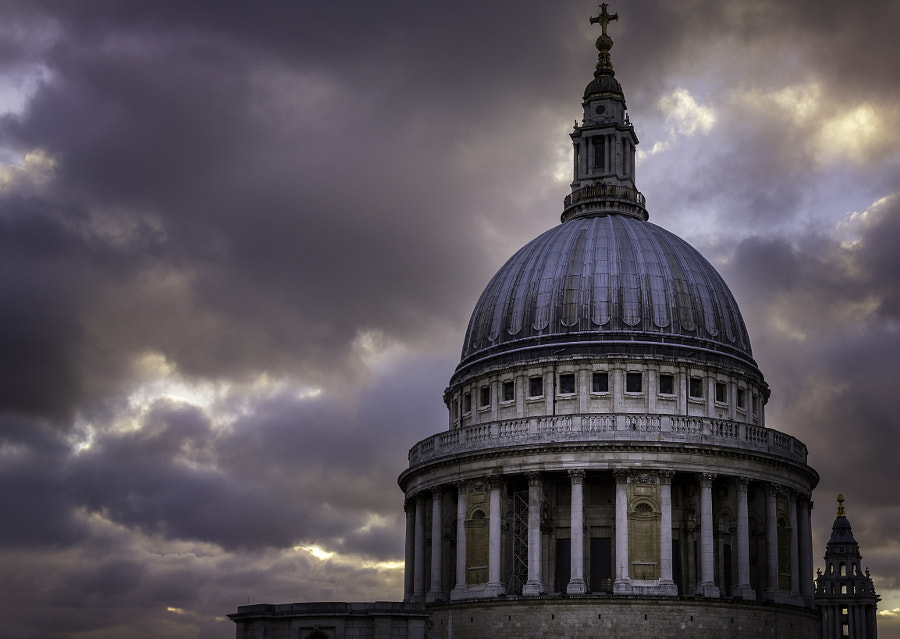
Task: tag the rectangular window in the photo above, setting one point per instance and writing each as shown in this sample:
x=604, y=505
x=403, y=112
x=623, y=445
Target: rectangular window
x=600, y=153
x=741, y=398
x=721, y=392
x=755, y=404
x=600, y=383
x=485, y=397
x=509, y=391
x=567, y=384
x=633, y=382
x=695, y=388
x=467, y=403
x=666, y=384
x=535, y=386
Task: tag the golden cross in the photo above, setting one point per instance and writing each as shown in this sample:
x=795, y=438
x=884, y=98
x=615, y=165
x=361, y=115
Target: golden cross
x=604, y=18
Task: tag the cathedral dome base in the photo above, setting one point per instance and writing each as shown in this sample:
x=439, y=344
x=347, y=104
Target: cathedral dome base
x=626, y=618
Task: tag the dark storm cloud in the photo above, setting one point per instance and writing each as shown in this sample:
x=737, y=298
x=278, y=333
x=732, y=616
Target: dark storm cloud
x=261, y=192
x=293, y=472
x=829, y=331
x=258, y=180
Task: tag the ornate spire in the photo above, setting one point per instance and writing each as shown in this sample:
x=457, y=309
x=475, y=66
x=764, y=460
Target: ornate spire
x=604, y=42
x=604, y=144
x=840, y=511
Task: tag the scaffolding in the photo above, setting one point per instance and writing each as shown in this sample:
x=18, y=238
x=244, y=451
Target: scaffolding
x=519, y=543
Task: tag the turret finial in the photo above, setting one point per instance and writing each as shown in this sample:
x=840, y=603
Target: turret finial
x=604, y=42
x=604, y=18
x=840, y=511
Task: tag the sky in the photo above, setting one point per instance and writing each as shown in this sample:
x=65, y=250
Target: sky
x=240, y=242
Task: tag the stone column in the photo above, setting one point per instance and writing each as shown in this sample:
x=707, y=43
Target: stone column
x=667, y=585
x=795, y=546
x=436, y=591
x=419, y=560
x=707, y=586
x=622, y=584
x=771, y=542
x=535, y=584
x=459, y=591
x=806, y=567
x=494, y=586
x=410, y=549
x=576, y=582
x=744, y=590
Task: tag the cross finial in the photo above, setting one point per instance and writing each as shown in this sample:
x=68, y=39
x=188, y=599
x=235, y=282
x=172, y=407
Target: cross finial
x=604, y=18
x=840, y=511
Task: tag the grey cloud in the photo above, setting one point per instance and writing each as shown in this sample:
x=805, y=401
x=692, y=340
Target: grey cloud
x=245, y=191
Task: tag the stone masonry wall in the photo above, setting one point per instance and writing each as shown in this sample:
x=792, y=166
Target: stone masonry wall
x=587, y=618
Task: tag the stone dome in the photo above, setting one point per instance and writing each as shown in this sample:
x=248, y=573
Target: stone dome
x=602, y=285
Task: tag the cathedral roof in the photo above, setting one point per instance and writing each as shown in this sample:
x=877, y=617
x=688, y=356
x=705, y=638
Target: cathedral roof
x=613, y=281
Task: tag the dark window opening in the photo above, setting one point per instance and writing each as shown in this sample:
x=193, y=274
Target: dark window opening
x=600, y=383
x=567, y=384
x=467, y=403
x=563, y=565
x=485, y=397
x=509, y=391
x=535, y=386
x=695, y=387
x=741, y=398
x=633, y=382
x=600, y=153
x=721, y=392
x=666, y=384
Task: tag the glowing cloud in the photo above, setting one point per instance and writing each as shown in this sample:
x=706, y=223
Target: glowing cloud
x=35, y=169
x=685, y=114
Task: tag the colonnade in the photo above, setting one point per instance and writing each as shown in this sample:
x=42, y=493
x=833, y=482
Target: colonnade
x=859, y=621
x=799, y=563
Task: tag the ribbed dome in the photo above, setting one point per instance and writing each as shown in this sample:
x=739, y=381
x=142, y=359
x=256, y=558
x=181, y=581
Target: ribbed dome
x=609, y=282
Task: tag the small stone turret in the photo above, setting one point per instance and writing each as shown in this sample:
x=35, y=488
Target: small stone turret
x=844, y=594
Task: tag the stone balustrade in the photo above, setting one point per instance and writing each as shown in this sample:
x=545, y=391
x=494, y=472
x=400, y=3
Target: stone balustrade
x=611, y=428
x=604, y=191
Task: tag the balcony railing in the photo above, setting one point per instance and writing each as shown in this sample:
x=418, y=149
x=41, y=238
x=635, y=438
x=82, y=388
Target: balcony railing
x=608, y=428
x=594, y=191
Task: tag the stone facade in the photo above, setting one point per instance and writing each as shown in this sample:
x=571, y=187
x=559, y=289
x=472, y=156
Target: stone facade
x=632, y=618
x=331, y=620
